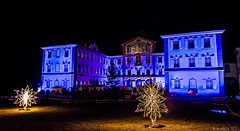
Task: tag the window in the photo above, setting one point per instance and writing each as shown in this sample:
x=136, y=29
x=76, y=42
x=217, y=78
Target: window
x=78, y=67
x=49, y=66
x=129, y=60
x=192, y=83
x=206, y=42
x=148, y=48
x=79, y=54
x=87, y=56
x=49, y=53
x=176, y=62
x=148, y=59
x=119, y=72
x=209, y=83
x=160, y=59
x=48, y=83
x=138, y=72
x=160, y=71
x=119, y=61
x=138, y=60
x=100, y=71
x=66, y=67
x=57, y=68
x=83, y=68
x=56, y=82
x=177, y=83
x=191, y=61
x=86, y=68
x=58, y=53
x=97, y=70
x=227, y=68
x=175, y=45
x=65, y=83
x=128, y=49
x=90, y=81
x=148, y=72
x=208, y=61
x=66, y=52
x=91, y=57
x=97, y=58
x=190, y=43
x=129, y=72
x=83, y=54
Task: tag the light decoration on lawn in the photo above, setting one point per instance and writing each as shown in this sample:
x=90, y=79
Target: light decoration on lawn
x=26, y=97
x=152, y=102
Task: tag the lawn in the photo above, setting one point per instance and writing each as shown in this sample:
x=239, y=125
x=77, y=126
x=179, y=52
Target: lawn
x=181, y=116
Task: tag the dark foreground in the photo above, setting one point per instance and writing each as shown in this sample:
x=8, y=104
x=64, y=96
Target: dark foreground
x=121, y=116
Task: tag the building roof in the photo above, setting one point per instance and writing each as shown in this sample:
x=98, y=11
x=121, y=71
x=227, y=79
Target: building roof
x=59, y=46
x=138, y=38
x=193, y=34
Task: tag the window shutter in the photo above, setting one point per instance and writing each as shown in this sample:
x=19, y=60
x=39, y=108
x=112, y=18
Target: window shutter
x=203, y=61
x=214, y=84
x=181, y=84
x=187, y=62
x=180, y=44
x=186, y=43
x=211, y=41
x=171, y=63
x=196, y=61
x=172, y=83
x=202, y=42
x=212, y=61
x=204, y=84
x=195, y=42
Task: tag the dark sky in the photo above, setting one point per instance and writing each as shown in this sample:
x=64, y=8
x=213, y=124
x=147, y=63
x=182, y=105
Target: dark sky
x=29, y=26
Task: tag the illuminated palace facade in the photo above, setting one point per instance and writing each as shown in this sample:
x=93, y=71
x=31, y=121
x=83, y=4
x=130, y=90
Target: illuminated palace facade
x=192, y=63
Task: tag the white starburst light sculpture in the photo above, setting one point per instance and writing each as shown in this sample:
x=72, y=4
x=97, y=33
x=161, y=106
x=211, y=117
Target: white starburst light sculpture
x=26, y=97
x=152, y=102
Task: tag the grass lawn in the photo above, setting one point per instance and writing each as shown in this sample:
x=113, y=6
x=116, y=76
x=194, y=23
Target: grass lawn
x=181, y=116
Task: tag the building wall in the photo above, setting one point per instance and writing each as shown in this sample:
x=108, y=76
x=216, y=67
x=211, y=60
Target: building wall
x=230, y=70
x=237, y=52
x=195, y=56
x=58, y=66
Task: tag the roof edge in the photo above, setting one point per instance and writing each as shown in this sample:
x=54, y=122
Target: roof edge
x=193, y=34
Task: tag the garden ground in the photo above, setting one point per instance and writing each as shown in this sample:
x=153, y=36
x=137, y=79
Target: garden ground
x=182, y=115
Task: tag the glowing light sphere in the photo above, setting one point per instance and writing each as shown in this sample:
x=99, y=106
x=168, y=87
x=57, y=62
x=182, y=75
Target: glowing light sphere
x=26, y=97
x=152, y=102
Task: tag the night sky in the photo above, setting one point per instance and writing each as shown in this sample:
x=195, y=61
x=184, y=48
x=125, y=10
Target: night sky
x=29, y=26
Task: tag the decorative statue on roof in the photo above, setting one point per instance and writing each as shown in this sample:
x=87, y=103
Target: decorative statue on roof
x=152, y=102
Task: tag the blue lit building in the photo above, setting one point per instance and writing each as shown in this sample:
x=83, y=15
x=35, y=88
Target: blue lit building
x=194, y=63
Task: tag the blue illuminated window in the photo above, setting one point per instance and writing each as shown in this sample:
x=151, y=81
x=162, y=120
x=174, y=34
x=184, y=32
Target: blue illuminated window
x=129, y=60
x=191, y=61
x=91, y=57
x=148, y=59
x=160, y=71
x=49, y=66
x=148, y=72
x=177, y=83
x=160, y=59
x=48, y=84
x=87, y=56
x=58, y=53
x=83, y=68
x=66, y=52
x=57, y=68
x=175, y=45
x=209, y=84
x=49, y=53
x=192, y=83
x=190, y=43
x=56, y=82
x=208, y=61
x=206, y=42
x=176, y=62
x=66, y=66
x=65, y=83
x=97, y=70
x=129, y=72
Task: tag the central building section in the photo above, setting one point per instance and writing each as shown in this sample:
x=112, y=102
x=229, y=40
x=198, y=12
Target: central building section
x=138, y=62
